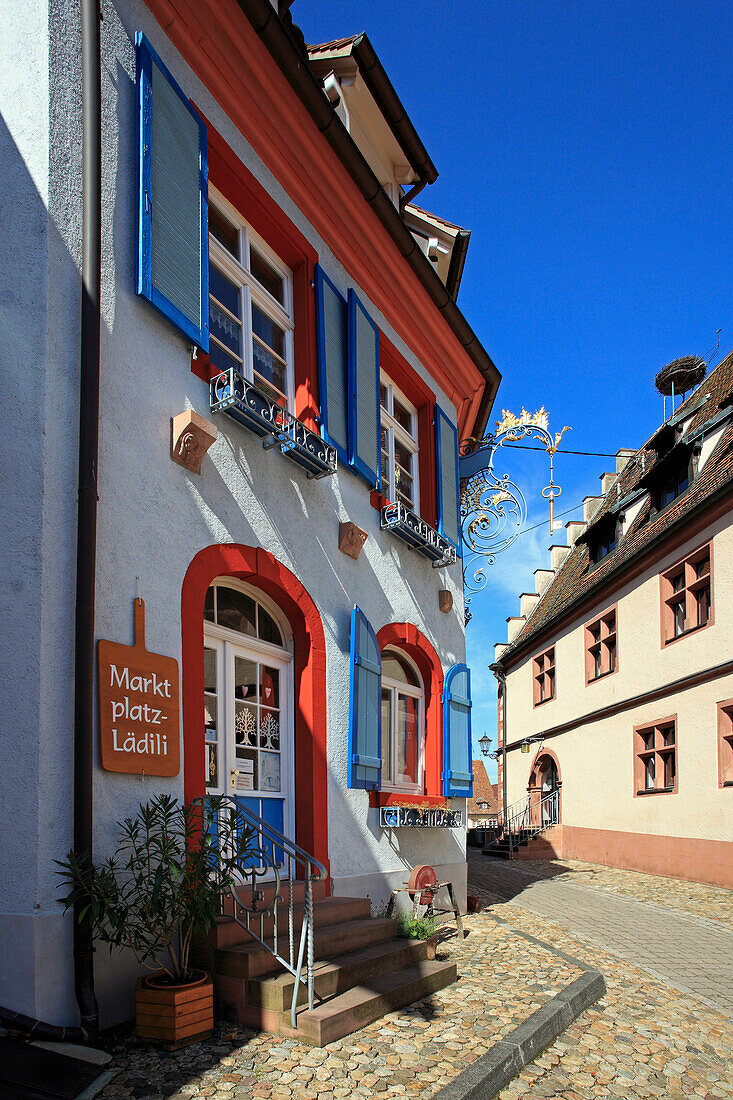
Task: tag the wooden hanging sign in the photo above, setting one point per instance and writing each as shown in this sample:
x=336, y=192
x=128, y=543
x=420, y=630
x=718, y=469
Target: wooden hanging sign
x=138, y=706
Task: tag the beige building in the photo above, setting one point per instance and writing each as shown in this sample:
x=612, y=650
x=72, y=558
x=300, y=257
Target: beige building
x=619, y=668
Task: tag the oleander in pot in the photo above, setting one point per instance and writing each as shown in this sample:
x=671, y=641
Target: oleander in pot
x=163, y=884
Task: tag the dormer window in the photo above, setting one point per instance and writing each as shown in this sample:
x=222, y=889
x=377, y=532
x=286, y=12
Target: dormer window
x=601, y=537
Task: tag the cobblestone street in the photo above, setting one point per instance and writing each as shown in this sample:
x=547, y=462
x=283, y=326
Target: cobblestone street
x=645, y=1038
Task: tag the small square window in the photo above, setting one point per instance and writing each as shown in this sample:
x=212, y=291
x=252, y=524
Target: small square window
x=655, y=758
x=543, y=668
x=687, y=595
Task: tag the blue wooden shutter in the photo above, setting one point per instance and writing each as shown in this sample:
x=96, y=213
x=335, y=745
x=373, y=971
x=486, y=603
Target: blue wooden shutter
x=173, y=233
x=332, y=333
x=365, y=705
x=446, y=452
x=364, y=406
x=457, y=772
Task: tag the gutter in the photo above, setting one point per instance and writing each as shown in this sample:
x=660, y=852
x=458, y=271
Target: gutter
x=296, y=70
x=86, y=549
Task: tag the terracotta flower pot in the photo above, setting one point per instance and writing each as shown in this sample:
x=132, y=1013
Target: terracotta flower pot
x=174, y=1015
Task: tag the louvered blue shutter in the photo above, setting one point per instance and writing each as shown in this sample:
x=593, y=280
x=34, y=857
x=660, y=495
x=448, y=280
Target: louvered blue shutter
x=457, y=772
x=365, y=705
x=333, y=381
x=364, y=407
x=173, y=234
x=446, y=452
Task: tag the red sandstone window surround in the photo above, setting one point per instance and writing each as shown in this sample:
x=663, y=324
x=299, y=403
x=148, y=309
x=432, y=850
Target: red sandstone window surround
x=687, y=595
x=601, y=653
x=655, y=757
x=725, y=743
x=543, y=676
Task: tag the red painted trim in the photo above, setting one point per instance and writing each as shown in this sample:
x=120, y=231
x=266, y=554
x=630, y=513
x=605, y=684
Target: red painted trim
x=407, y=637
x=419, y=394
x=725, y=744
x=378, y=500
x=249, y=198
x=666, y=621
x=544, y=672
x=646, y=727
x=259, y=568
x=219, y=43
x=588, y=642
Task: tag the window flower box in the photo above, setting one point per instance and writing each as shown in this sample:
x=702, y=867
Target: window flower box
x=418, y=534
x=232, y=393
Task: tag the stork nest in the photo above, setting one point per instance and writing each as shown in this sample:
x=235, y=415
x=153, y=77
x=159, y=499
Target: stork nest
x=681, y=375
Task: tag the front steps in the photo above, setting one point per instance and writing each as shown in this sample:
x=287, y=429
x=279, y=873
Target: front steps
x=362, y=971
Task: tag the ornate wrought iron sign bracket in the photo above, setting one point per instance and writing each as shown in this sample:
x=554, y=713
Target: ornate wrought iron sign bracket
x=493, y=507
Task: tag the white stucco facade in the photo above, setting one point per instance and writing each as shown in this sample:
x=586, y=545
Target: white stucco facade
x=153, y=515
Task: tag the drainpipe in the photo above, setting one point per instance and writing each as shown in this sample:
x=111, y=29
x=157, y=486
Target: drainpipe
x=501, y=677
x=86, y=549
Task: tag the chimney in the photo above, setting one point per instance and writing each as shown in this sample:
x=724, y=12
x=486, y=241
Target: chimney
x=542, y=580
x=514, y=625
x=574, y=528
x=558, y=555
x=607, y=481
x=590, y=507
x=527, y=603
x=623, y=457
x=499, y=649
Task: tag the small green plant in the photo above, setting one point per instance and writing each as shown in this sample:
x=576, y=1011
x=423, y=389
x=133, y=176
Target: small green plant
x=163, y=883
x=410, y=929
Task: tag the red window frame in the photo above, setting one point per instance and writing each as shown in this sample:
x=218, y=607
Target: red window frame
x=601, y=646
x=725, y=743
x=652, y=744
x=543, y=674
x=237, y=184
x=680, y=589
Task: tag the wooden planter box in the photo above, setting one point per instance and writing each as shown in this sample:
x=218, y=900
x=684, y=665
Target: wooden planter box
x=175, y=1016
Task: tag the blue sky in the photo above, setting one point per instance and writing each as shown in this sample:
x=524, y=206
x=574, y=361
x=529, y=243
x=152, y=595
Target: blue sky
x=587, y=146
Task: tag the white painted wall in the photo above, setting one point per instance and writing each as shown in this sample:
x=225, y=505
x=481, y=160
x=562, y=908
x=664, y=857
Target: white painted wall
x=153, y=516
x=596, y=759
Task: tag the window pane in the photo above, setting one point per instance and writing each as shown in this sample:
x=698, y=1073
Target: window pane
x=597, y=668
x=403, y=483
x=269, y=368
x=269, y=686
x=224, y=290
x=269, y=771
x=383, y=396
x=212, y=766
x=245, y=679
x=678, y=582
x=395, y=667
x=702, y=567
x=387, y=736
x=649, y=770
x=209, y=605
x=248, y=777
x=403, y=416
x=235, y=610
x=407, y=750
x=703, y=606
x=270, y=333
x=210, y=670
x=268, y=630
x=403, y=456
x=679, y=618
x=669, y=769
x=270, y=729
x=611, y=655
x=245, y=725
x=223, y=328
x=222, y=359
x=226, y=233
x=266, y=275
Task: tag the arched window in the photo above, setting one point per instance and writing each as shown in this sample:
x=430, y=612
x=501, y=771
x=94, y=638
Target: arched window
x=248, y=701
x=403, y=724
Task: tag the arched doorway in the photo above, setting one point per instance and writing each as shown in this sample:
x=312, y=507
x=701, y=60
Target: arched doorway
x=544, y=789
x=285, y=601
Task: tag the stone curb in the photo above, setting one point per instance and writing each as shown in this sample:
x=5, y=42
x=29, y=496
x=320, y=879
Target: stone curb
x=493, y=1071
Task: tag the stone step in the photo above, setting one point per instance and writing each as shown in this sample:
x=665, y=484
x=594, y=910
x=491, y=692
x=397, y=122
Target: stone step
x=357, y=1007
x=228, y=933
x=338, y=974
x=250, y=960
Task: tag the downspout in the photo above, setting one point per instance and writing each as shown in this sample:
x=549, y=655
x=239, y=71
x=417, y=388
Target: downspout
x=86, y=547
x=501, y=677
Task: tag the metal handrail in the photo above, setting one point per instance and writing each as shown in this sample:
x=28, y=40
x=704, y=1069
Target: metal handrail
x=265, y=853
x=529, y=818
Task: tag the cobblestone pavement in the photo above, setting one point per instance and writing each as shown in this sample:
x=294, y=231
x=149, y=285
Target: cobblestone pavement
x=419, y=1049
x=689, y=950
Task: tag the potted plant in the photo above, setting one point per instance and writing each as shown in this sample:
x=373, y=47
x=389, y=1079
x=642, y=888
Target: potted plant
x=163, y=884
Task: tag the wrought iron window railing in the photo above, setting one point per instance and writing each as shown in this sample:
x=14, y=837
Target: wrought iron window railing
x=418, y=534
x=232, y=393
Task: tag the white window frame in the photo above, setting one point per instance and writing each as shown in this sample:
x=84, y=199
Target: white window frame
x=401, y=784
x=395, y=431
x=251, y=292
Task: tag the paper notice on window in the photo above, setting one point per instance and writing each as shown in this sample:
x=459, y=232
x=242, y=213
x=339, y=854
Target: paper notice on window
x=245, y=783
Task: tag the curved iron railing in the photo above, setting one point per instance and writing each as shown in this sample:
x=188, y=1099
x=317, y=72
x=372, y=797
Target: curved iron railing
x=267, y=863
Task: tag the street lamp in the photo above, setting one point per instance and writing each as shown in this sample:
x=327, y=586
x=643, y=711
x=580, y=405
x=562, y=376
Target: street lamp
x=484, y=743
